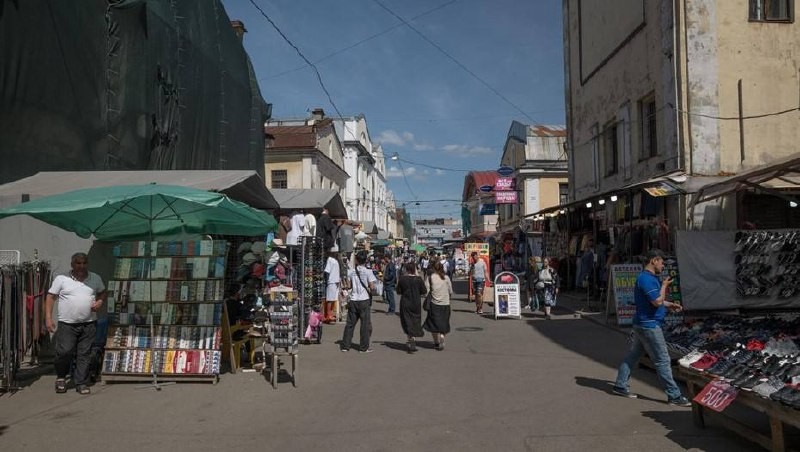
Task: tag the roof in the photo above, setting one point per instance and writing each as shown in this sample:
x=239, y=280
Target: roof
x=540, y=130
x=293, y=137
x=310, y=200
x=242, y=185
x=478, y=179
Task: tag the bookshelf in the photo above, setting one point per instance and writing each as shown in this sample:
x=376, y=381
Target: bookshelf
x=165, y=309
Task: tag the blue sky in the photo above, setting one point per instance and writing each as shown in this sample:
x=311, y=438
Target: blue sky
x=417, y=101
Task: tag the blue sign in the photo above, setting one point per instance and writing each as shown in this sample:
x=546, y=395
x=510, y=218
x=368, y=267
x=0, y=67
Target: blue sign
x=505, y=171
x=486, y=188
x=488, y=209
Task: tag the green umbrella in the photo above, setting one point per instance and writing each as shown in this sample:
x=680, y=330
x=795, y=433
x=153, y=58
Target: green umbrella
x=128, y=212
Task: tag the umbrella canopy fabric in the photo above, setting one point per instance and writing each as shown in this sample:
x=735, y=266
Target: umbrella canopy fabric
x=145, y=211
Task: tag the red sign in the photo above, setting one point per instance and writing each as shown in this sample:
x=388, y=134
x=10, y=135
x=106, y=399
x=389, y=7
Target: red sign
x=505, y=197
x=717, y=395
x=504, y=183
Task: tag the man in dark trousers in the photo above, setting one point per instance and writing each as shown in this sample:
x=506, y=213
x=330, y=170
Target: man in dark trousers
x=389, y=282
x=362, y=283
x=325, y=230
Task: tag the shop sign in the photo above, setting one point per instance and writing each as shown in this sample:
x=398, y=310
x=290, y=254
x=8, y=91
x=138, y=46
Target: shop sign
x=623, y=281
x=717, y=395
x=505, y=171
x=481, y=248
x=486, y=188
x=505, y=197
x=504, y=183
x=506, y=295
x=661, y=189
x=488, y=209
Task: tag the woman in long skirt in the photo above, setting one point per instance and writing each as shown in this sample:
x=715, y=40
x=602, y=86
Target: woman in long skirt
x=547, y=289
x=438, y=320
x=411, y=289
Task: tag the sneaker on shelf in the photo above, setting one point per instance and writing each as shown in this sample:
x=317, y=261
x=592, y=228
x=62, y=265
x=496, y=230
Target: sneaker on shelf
x=692, y=357
x=704, y=363
x=768, y=387
x=680, y=401
x=751, y=382
x=623, y=393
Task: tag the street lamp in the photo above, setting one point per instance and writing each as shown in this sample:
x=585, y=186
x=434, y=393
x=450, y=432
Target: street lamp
x=601, y=202
x=613, y=198
x=395, y=156
x=589, y=205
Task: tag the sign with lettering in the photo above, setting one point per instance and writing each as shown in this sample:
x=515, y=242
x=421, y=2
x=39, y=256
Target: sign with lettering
x=505, y=171
x=717, y=395
x=623, y=281
x=504, y=183
x=506, y=295
x=505, y=197
x=486, y=188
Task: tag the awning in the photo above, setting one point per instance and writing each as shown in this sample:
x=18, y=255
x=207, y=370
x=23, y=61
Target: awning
x=670, y=184
x=369, y=227
x=244, y=186
x=780, y=175
x=309, y=200
x=383, y=234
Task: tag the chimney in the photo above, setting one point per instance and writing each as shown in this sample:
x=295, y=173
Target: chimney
x=317, y=114
x=238, y=28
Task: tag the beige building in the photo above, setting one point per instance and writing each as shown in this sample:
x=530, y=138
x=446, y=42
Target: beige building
x=479, y=211
x=678, y=87
x=304, y=154
x=538, y=156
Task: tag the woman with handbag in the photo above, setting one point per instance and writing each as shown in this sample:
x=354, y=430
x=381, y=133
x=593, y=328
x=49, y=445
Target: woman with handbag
x=411, y=288
x=547, y=287
x=439, y=290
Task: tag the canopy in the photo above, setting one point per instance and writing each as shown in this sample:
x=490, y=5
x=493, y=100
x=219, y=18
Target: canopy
x=311, y=200
x=241, y=185
x=145, y=211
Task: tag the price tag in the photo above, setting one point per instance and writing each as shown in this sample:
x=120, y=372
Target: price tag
x=717, y=395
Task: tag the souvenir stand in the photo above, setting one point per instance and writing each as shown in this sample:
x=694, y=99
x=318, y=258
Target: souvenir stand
x=310, y=279
x=284, y=315
x=165, y=309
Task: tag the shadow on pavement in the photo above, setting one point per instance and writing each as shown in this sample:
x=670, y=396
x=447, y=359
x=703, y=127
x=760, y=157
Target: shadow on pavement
x=605, y=386
x=685, y=434
x=399, y=346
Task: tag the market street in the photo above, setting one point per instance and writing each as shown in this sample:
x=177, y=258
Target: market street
x=507, y=385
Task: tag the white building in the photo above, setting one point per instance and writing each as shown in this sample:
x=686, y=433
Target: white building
x=366, y=195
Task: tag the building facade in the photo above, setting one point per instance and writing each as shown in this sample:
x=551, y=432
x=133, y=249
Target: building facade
x=538, y=156
x=304, y=153
x=367, y=198
x=691, y=88
x=478, y=208
x=433, y=233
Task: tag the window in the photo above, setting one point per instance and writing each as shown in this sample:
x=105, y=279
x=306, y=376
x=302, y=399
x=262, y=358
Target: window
x=648, y=123
x=280, y=179
x=610, y=154
x=772, y=10
x=563, y=194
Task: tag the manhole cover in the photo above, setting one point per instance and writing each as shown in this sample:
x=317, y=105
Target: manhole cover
x=469, y=329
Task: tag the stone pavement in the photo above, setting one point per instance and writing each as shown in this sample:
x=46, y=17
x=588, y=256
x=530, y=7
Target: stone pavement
x=505, y=385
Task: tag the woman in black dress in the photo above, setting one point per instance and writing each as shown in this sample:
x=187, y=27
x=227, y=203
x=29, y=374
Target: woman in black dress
x=438, y=321
x=411, y=289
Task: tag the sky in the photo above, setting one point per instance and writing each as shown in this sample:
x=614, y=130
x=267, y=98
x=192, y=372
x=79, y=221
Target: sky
x=451, y=113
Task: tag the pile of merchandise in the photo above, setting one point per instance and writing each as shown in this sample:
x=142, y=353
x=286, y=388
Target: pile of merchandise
x=757, y=354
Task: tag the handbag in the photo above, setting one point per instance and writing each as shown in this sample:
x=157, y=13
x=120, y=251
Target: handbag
x=426, y=305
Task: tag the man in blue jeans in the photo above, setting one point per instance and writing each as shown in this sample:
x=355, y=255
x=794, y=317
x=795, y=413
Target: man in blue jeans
x=649, y=294
x=389, y=283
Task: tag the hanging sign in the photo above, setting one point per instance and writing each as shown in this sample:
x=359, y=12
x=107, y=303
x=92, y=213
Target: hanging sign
x=717, y=395
x=506, y=295
x=505, y=171
x=505, y=197
x=486, y=188
x=488, y=209
x=504, y=183
x=481, y=248
x=674, y=291
x=623, y=280
x=661, y=189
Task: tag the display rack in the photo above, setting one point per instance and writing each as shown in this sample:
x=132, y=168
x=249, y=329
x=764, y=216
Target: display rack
x=284, y=316
x=165, y=309
x=311, y=279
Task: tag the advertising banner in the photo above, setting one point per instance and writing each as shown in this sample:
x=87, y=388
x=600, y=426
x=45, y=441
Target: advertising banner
x=507, y=296
x=504, y=183
x=505, y=197
x=623, y=281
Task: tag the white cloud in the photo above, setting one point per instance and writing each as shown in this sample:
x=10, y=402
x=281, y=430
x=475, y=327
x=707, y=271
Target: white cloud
x=394, y=171
x=392, y=138
x=438, y=171
x=466, y=150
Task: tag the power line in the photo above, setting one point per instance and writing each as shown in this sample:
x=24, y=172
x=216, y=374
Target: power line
x=405, y=179
x=735, y=118
x=458, y=63
x=398, y=159
x=369, y=38
x=288, y=41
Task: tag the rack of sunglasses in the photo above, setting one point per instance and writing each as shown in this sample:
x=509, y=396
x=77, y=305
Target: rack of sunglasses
x=283, y=320
x=165, y=309
x=311, y=278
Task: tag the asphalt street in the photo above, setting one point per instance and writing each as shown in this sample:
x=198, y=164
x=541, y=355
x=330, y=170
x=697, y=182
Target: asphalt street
x=501, y=385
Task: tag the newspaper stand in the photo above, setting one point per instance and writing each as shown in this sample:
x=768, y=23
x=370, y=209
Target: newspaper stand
x=507, y=296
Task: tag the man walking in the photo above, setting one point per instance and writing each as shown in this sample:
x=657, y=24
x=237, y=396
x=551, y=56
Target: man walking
x=651, y=308
x=80, y=294
x=332, y=287
x=362, y=282
x=478, y=276
x=389, y=282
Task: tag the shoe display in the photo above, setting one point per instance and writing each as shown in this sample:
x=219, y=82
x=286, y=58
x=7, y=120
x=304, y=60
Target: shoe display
x=692, y=357
x=768, y=387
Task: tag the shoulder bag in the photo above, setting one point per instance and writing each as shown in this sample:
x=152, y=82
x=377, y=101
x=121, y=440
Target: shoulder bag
x=366, y=287
x=426, y=305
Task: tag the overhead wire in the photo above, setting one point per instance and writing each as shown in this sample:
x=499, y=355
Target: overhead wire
x=358, y=43
x=457, y=62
